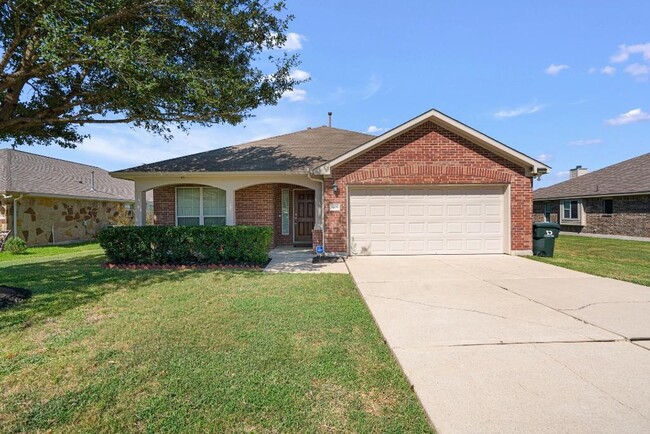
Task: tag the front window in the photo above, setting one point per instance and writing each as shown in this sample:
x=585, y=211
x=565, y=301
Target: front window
x=200, y=206
x=608, y=206
x=547, y=211
x=570, y=209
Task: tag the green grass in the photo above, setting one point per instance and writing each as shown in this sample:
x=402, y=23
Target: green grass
x=618, y=259
x=97, y=350
x=39, y=252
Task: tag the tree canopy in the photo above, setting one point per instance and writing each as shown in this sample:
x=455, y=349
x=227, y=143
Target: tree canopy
x=154, y=64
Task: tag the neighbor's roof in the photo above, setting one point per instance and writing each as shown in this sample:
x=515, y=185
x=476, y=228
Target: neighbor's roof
x=295, y=152
x=22, y=172
x=628, y=177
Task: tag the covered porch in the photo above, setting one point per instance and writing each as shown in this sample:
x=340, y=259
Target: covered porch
x=291, y=204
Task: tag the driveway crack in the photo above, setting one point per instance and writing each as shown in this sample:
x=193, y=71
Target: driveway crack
x=436, y=306
x=602, y=390
x=556, y=310
x=606, y=302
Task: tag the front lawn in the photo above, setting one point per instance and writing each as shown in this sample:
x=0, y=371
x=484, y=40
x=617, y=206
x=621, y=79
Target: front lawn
x=97, y=350
x=39, y=252
x=618, y=259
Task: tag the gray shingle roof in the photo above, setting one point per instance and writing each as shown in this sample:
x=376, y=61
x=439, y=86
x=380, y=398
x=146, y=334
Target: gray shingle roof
x=22, y=172
x=628, y=177
x=290, y=152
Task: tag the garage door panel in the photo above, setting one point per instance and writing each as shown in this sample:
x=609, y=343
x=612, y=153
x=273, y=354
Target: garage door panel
x=426, y=220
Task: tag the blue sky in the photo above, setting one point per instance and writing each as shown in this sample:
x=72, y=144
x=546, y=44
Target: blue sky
x=567, y=82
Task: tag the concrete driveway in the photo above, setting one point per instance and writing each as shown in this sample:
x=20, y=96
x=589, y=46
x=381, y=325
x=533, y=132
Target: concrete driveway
x=506, y=344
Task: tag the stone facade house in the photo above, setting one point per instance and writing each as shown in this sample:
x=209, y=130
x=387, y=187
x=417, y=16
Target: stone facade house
x=429, y=186
x=45, y=200
x=610, y=201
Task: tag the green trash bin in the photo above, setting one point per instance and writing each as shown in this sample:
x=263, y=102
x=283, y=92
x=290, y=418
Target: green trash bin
x=544, y=235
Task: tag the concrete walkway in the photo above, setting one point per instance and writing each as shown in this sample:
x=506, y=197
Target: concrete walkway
x=299, y=260
x=505, y=344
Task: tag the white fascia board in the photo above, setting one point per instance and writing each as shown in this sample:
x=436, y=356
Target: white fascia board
x=532, y=166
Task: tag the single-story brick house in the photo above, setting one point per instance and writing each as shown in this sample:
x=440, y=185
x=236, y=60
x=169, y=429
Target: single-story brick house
x=614, y=200
x=429, y=186
x=45, y=200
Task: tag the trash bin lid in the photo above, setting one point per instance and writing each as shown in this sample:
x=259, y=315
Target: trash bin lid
x=549, y=225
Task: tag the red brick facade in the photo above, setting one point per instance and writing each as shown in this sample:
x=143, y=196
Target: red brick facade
x=425, y=155
x=429, y=155
x=258, y=205
x=164, y=205
x=261, y=205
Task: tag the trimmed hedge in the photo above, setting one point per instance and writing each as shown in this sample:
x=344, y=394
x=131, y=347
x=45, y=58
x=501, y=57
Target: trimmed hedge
x=186, y=244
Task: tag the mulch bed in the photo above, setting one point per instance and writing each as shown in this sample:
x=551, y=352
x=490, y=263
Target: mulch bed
x=10, y=296
x=186, y=266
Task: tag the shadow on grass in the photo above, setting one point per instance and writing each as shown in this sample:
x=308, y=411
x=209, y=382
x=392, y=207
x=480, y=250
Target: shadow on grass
x=59, y=285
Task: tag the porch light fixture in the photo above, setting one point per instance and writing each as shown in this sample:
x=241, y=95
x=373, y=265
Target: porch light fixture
x=335, y=188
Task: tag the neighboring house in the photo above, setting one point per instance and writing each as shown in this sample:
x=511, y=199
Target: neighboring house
x=55, y=201
x=613, y=201
x=429, y=186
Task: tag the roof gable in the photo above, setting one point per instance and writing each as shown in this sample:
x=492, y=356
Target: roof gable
x=295, y=152
x=26, y=173
x=532, y=166
x=627, y=177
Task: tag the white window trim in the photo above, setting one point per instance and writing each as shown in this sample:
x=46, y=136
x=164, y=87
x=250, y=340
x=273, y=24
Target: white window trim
x=201, y=216
x=288, y=230
x=580, y=220
x=548, y=209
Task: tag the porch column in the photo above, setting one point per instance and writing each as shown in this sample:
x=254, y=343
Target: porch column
x=140, y=207
x=230, y=207
x=318, y=205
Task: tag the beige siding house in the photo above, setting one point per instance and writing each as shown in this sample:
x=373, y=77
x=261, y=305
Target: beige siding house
x=50, y=201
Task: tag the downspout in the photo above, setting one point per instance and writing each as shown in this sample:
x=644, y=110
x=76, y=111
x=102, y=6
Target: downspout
x=16, y=199
x=322, y=205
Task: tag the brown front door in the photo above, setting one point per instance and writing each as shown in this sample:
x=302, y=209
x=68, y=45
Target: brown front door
x=304, y=216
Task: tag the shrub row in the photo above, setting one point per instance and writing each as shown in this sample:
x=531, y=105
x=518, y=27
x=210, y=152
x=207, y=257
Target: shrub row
x=186, y=244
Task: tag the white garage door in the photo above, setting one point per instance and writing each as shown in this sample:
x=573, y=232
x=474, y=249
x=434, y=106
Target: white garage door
x=426, y=220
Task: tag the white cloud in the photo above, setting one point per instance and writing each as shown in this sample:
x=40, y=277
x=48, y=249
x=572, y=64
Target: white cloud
x=637, y=70
x=608, y=70
x=523, y=110
x=554, y=69
x=295, y=95
x=633, y=116
x=373, y=129
x=294, y=41
x=300, y=75
x=624, y=52
x=544, y=157
x=373, y=86
x=562, y=174
x=585, y=142
x=118, y=146
x=592, y=70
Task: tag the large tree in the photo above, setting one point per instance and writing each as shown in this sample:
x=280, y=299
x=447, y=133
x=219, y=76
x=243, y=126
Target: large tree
x=154, y=64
